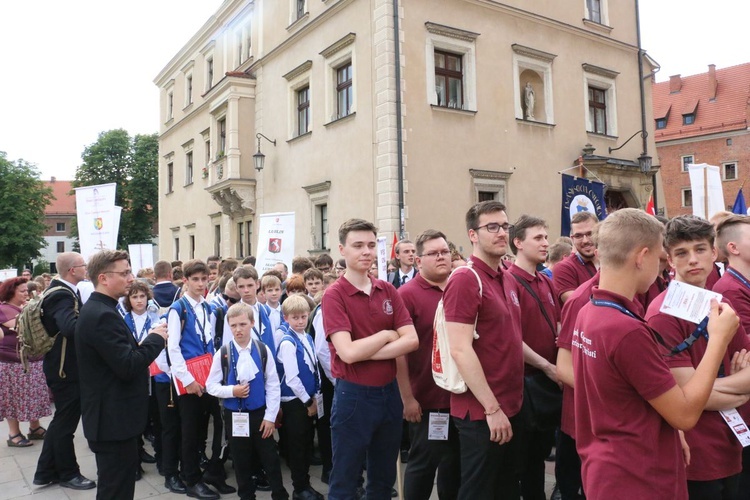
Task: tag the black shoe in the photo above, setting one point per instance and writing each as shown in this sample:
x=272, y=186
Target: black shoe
x=361, y=494
x=555, y=493
x=44, y=482
x=404, y=456
x=203, y=460
x=150, y=437
x=303, y=495
x=326, y=476
x=316, y=494
x=220, y=485
x=316, y=459
x=200, y=490
x=394, y=493
x=147, y=458
x=261, y=483
x=78, y=483
x=175, y=485
x=139, y=473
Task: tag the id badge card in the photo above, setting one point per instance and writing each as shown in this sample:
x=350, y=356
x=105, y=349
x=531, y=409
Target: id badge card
x=438, y=427
x=319, y=403
x=240, y=425
x=738, y=426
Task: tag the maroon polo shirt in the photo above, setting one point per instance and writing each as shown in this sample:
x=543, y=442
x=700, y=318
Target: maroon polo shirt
x=656, y=288
x=572, y=272
x=627, y=449
x=715, y=452
x=348, y=309
x=499, y=346
x=536, y=331
x=421, y=300
x=579, y=298
x=713, y=277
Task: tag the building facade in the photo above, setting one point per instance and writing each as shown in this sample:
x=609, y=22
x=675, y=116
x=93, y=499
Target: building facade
x=58, y=217
x=703, y=119
x=496, y=98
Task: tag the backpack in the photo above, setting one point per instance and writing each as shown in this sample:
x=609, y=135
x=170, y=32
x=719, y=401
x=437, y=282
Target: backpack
x=225, y=358
x=444, y=370
x=33, y=339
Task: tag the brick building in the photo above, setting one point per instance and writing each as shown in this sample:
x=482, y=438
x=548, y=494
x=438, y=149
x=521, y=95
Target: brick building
x=702, y=119
x=58, y=218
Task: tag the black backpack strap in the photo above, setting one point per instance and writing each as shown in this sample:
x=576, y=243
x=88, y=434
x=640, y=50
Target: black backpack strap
x=539, y=302
x=224, y=353
x=219, y=327
x=263, y=354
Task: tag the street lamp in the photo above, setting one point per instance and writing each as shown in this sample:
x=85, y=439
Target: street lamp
x=645, y=162
x=259, y=158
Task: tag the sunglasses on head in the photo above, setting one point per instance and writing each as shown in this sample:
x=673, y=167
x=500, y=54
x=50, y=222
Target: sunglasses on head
x=230, y=300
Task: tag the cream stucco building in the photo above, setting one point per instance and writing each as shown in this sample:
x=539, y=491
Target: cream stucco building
x=319, y=77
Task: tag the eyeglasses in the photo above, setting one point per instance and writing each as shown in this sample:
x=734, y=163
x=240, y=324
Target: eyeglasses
x=124, y=274
x=324, y=269
x=82, y=265
x=494, y=227
x=442, y=254
x=580, y=236
x=230, y=300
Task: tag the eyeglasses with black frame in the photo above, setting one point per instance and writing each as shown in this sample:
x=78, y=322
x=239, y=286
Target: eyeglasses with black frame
x=494, y=227
x=441, y=253
x=124, y=274
x=230, y=300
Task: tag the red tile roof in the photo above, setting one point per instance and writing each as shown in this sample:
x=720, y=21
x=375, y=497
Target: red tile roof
x=729, y=111
x=64, y=203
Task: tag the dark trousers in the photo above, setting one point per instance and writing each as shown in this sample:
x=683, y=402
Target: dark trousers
x=117, y=462
x=535, y=447
x=154, y=422
x=365, y=426
x=428, y=456
x=323, y=424
x=299, y=433
x=58, y=457
x=488, y=470
x=568, y=468
x=170, y=428
x=744, y=487
x=215, y=467
x=243, y=451
x=192, y=416
x=718, y=489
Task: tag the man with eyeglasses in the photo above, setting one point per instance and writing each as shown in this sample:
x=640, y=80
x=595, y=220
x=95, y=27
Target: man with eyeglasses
x=492, y=364
x=57, y=462
x=579, y=266
x=405, y=255
x=424, y=402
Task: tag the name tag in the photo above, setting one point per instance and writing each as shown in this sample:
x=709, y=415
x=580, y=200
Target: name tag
x=240, y=425
x=438, y=427
x=738, y=426
x=319, y=403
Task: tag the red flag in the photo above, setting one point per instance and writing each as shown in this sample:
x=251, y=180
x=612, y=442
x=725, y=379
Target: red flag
x=650, y=206
x=393, y=248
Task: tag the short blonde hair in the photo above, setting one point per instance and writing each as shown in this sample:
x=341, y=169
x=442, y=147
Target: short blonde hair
x=626, y=230
x=239, y=309
x=269, y=281
x=295, y=304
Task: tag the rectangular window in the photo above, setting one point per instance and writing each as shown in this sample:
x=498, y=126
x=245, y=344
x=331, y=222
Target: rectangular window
x=300, y=8
x=687, y=198
x=449, y=79
x=688, y=119
x=322, y=225
x=486, y=196
x=344, y=90
x=241, y=239
x=177, y=249
x=303, y=111
x=661, y=123
x=60, y=227
x=60, y=246
x=594, y=10
x=249, y=236
x=170, y=106
x=189, y=90
x=240, y=53
x=598, y=110
x=170, y=177
x=189, y=168
x=222, y=137
x=217, y=239
x=208, y=156
x=192, y=246
x=209, y=73
x=686, y=160
x=729, y=171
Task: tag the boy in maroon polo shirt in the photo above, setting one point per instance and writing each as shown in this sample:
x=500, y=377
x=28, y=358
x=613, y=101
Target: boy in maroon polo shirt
x=716, y=453
x=627, y=403
x=423, y=399
x=539, y=322
x=491, y=365
x=579, y=266
x=367, y=328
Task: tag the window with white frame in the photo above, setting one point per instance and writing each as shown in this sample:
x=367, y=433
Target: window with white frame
x=60, y=246
x=300, y=9
x=489, y=185
x=321, y=220
x=188, y=89
x=318, y=195
x=222, y=136
x=303, y=110
x=244, y=238
x=729, y=171
x=217, y=239
x=687, y=160
x=60, y=227
x=170, y=105
x=687, y=197
x=192, y=246
x=188, y=168
x=600, y=100
x=596, y=11
x=344, y=90
x=177, y=249
x=300, y=106
x=341, y=81
x=170, y=177
x=450, y=56
x=532, y=68
x=209, y=72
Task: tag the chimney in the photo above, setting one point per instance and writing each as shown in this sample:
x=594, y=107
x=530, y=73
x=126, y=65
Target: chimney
x=53, y=179
x=675, y=84
x=712, y=82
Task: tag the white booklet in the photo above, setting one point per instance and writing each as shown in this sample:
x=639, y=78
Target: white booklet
x=688, y=302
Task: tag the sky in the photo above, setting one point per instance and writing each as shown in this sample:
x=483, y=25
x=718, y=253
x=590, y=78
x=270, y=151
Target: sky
x=71, y=70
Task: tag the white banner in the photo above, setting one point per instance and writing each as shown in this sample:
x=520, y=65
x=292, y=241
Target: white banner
x=275, y=241
x=382, y=259
x=141, y=256
x=8, y=273
x=706, y=180
x=97, y=220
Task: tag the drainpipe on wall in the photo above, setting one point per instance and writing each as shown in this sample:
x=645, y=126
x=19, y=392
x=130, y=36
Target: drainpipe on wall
x=399, y=135
x=644, y=134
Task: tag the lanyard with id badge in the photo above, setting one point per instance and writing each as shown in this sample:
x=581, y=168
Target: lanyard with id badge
x=240, y=419
x=438, y=426
x=318, y=395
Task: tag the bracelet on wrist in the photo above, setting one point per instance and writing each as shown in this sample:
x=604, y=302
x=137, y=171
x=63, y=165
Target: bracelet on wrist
x=488, y=413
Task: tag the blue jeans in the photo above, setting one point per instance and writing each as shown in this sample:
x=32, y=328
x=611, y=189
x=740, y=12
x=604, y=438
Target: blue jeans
x=365, y=425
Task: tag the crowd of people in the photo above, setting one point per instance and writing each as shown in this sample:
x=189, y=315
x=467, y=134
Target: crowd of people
x=564, y=348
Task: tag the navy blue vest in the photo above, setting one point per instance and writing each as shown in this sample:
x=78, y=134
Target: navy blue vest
x=257, y=395
x=191, y=343
x=308, y=378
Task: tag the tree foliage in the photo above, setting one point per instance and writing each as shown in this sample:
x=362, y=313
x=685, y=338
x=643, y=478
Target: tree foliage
x=132, y=164
x=23, y=199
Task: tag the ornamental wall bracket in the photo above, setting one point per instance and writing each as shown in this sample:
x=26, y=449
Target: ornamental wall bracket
x=236, y=197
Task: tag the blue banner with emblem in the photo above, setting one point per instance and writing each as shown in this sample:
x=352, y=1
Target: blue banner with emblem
x=581, y=195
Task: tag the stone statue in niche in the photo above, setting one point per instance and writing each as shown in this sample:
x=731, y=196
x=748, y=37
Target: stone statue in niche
x=529, y=99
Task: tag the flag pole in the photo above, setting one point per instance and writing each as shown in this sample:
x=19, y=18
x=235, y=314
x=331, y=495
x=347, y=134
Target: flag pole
x=705, y=191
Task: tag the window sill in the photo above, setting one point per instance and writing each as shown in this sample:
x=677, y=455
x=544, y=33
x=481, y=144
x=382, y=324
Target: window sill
x=445, y=109
x=343, y=118
x=168, y=193
x=604, y=136
x=299, y=21
x=598, y=26
x=187, y=106
x=534, y=123
x=169, y=121
x=301, y=136
x=188, y=184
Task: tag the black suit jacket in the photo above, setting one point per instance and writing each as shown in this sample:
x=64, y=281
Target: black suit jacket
x=395, y=280
x=113, y=370
x=58, y=315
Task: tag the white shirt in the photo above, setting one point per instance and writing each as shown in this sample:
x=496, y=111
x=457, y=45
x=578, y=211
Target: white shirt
x=174, y=328
x=215, y=387
x=322, y=350
x=404, y=278
x=274, y=317
x=139, y=321
x=287, y=356
x=84, y=287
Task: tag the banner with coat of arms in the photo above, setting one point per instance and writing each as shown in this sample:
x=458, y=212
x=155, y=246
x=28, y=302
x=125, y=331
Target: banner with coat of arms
x=98, y=218
x=581, y=195
x=275, y=241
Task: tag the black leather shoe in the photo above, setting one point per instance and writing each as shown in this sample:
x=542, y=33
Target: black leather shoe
x=261, y=483
x=200, y=490
x=78, y=483
x=147, y=458
x=175, y=485
x=221, y=486
x=303, y=495
x=44, y=482
x=316, y=459
x=316, y=494
x=394, y=493
x=138, y=474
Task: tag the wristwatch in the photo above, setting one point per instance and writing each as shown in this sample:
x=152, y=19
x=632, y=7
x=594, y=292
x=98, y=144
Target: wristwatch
x=309, y=403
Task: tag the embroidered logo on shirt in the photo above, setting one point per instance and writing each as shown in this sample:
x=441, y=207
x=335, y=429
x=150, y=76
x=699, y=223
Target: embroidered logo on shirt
x=514, y=298
x=387, y=307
